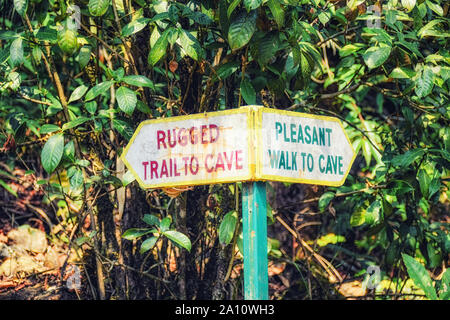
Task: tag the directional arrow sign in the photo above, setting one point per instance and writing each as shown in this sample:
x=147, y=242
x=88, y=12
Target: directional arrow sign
x=197, y=149
x=249, y=143
x=302, y=148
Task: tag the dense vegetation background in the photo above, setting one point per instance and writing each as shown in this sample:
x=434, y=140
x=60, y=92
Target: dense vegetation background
x=78, y=76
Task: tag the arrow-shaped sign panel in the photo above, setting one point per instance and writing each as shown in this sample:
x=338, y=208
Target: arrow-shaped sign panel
x=204, y=148
x=302, y=148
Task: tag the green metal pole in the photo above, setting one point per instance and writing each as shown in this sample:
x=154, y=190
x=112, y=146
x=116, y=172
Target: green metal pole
x=254, y=213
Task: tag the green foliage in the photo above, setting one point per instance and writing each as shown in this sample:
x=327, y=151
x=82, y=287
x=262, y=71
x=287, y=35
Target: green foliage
x=75, y=97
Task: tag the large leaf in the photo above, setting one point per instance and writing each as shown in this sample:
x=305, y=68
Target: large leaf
x=248, y=92
x=98, y=7
x=376, y=56
x=135, y=233
x=126, y=99
x=277, y=12
x=98, y=89
x=52, y=152
x=241, y=30
x=420, y=276
x=134, y=26
x=21, y=6
x=409, y=4
x=148, y=244
x=78, y=93
x=178, y=238
x=227, y=227
x=403, y=160
x=16, y=51
x=190, y=45
x=252, y=4
x=138, y=81
x=151, y=220
x=158, y=50
x=425, y=83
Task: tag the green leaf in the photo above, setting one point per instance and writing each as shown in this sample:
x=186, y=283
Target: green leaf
x=91, y=106
x=158, y=50
x=148, y=244
x=84, y=56
x=47, y=34
x=248, y=92
x=425, y=83
x=241, y=30
x=403, y=160
x=8, y=188
x=21, y=6
x=151, y=220
x=98, y=89
x=78, y=93
x=76, y=180
x=98, y=7
x=420, y=276
x=67, y=41
x=402, y=73
x=277, y=12
x=409, y=4
x=178, y=238
x=49, y=128
x=123, y=128
x=227, y=69
x=138, y=81
x=135, y=233
x=435, y=7
x=324, y=200
x=16, y=51
x=424, y=182
x=445, y=284
x=227, y=227
x=252, y=4
x=376, y=56
x=358, y=217
x=128, y=178
x=126, y=99
x=52, y=152
x=372, y=214
x=165, y=224
x=232, y=6
x=74, y=123
x=190, y=45
x=134, y=26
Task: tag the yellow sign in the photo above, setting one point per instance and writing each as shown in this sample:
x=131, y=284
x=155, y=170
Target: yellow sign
x=249, y=143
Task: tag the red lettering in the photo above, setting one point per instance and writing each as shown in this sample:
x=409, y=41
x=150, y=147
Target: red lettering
x=153, y=169
x=174, y=142
x=238, y=167
x=185, y=159
x=194, y=172
x=219, y=163
x=164, y=169
x=212, y=138
x=203, y=131
x=182, y=138
x=160, y=137
x=145, y=164
x=177, y=174
x=209, y=170
x=193, y=135
x=229, y=161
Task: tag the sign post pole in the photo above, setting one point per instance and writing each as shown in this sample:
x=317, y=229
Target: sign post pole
x=254, y=213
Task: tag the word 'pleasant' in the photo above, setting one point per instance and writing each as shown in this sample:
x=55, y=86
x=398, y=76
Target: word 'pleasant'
x=191, y=165
x=182, y=136
x=307, y=135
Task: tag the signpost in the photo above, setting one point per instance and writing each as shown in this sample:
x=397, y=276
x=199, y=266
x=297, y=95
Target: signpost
x=251, y=144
